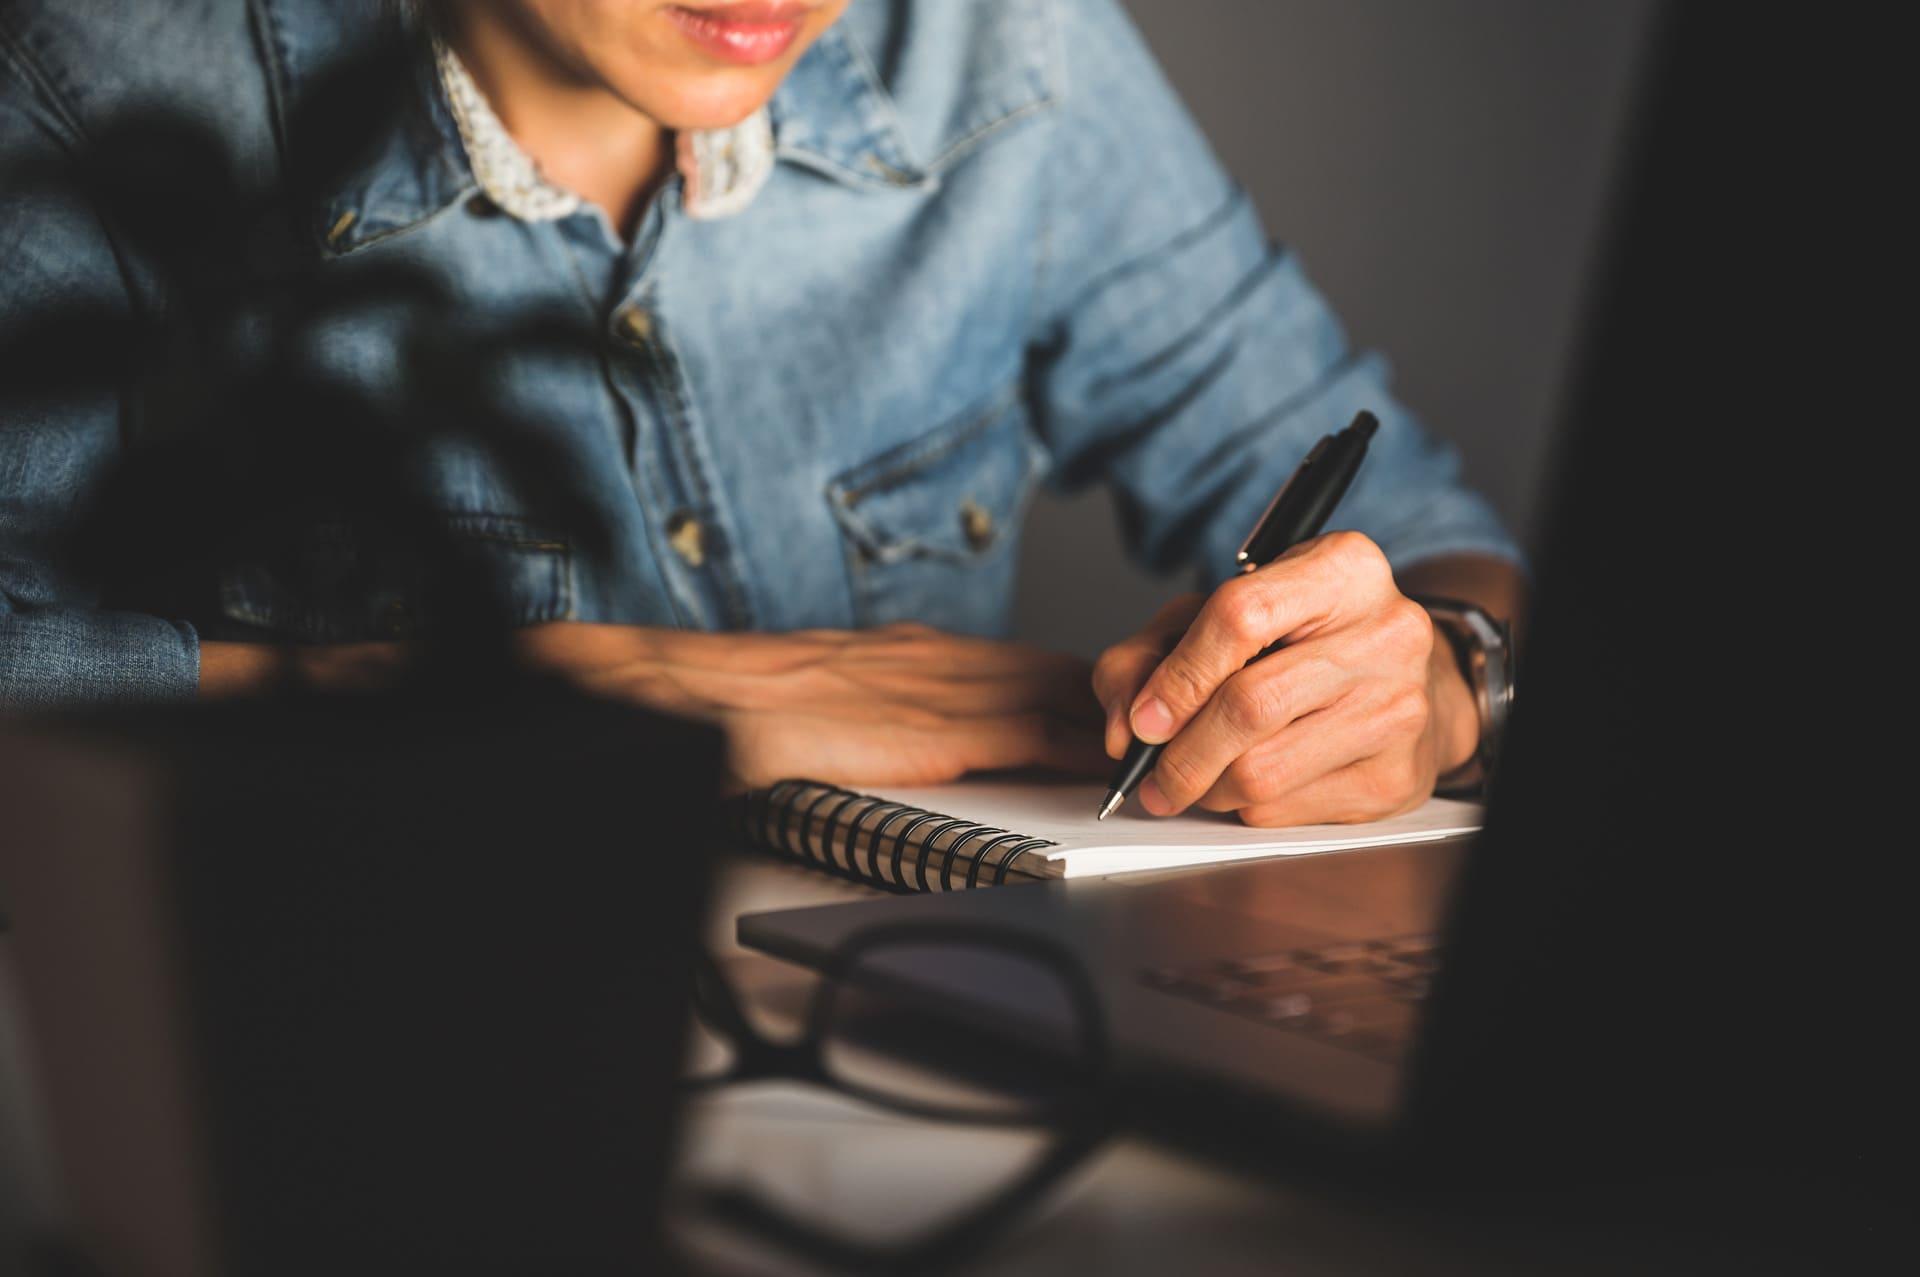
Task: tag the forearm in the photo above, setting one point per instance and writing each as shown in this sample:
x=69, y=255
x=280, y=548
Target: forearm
x=240, y=669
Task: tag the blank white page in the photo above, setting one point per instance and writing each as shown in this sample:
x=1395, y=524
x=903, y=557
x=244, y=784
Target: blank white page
x=1129, y=840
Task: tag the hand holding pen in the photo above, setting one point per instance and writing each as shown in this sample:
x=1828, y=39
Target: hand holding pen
x=1306, y=689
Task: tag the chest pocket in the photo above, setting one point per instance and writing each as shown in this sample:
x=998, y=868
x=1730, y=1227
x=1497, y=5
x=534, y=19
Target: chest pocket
x=932, y=527
x=343, y=584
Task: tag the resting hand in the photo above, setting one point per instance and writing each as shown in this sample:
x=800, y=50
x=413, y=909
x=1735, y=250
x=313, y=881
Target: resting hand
x=1351, y=721
x=900, y=705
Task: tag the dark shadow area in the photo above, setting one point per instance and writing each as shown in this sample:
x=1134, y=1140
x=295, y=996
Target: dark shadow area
x=384, y=981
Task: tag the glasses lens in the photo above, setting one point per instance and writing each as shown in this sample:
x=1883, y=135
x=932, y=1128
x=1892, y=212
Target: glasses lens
x=967, y=1029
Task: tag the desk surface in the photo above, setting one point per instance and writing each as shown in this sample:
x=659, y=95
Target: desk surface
x=1135, y=1208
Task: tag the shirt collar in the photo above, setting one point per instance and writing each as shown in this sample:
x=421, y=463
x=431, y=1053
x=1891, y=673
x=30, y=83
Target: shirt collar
x=831, y=115
x=721, y=169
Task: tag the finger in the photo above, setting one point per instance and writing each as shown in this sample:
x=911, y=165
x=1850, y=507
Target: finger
x=1316, y=583
x=1257, y=703
x=1371, y=789
x=1120, y=674
x=1123, y=669
x=1364, y=724
x=1235, y=624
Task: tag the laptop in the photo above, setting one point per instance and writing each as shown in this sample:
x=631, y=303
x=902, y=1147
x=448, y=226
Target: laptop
x=1637, y=969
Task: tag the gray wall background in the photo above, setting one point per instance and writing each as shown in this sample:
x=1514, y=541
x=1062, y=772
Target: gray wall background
x=1442, y=169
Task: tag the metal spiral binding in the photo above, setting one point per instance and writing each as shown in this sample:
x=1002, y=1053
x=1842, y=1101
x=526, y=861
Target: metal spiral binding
x=842, y=815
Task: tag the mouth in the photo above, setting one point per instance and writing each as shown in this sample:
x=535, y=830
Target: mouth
x=747, y=33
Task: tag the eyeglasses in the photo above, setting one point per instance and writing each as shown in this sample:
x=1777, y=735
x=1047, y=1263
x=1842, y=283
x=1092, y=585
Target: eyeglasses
x=953, y=1023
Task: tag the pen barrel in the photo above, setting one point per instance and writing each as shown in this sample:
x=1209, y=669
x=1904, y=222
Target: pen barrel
x=1303, y=508
x=1135, y=765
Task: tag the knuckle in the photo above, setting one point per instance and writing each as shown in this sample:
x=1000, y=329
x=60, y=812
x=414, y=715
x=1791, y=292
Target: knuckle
x=1357, y=559
x=1409, y=625
x=1250, y=778
x=1407, y=711
x=1181, y=685
x=1387, y=786
x=1247, y=705
x=1360, y=548
x=1238, y=610
x=1179, y=776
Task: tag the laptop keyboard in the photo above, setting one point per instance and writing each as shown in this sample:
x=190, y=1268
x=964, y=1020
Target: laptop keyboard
x=1363, y=995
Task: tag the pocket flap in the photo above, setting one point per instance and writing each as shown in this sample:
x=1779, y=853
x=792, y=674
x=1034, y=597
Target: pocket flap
x=950, y=494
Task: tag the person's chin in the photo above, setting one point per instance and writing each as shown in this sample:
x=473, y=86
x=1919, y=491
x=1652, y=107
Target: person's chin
x=708, y=101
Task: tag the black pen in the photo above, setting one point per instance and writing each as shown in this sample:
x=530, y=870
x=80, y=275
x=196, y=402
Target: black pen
x=1296, y=513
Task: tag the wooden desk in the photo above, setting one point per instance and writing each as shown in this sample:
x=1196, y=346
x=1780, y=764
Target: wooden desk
x=1135, y=1208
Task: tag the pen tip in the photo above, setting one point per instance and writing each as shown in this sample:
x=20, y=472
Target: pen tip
x=1114, y=799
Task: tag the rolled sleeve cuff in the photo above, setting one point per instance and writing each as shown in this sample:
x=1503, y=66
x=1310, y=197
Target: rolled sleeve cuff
x=1466, y=527
x=67, y=657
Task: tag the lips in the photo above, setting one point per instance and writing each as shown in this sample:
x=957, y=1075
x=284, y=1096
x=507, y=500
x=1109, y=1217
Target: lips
x=746, y=33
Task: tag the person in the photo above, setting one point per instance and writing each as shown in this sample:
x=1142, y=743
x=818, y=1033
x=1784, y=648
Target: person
x=871, y=272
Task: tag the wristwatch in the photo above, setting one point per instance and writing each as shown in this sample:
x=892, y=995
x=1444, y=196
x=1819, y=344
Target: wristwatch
x=1484, y=648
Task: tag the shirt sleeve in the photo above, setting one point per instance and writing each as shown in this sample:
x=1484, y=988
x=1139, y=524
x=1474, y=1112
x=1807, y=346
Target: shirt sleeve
x=57, y=645
x=1184, y=358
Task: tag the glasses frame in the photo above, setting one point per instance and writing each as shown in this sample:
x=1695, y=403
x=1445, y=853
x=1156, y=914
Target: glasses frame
x=1080, y=1122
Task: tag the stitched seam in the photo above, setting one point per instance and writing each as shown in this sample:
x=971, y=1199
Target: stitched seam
x=1043, y=253
x=892, y=469
x=881, y=113
x=1217, y=316
x=633, y=396
x=38, y=81
x=816, y=162
x=266, y=47
x=680, y=420
x=1205, y=227
x=972, y=140
x=458, y=198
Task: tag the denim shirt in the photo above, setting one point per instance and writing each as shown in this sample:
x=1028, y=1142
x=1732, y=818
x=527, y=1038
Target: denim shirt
x=994, y=252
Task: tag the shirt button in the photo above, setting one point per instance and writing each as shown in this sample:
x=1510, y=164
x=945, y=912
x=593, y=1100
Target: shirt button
x=688, y=538
x=976, y=524
x=337, y=233
x=399, y=618
x=635, y=325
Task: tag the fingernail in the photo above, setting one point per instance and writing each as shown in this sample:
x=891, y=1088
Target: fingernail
x=1152, y=721
x=1152, y=799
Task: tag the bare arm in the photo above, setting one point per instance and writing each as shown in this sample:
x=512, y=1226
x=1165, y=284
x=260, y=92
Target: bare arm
x=899, y=705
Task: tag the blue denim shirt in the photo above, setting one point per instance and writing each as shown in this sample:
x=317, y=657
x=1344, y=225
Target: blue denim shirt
x=994, y=253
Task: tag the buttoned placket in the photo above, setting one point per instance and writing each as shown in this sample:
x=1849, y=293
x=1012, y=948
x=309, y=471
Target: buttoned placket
x=673, y=478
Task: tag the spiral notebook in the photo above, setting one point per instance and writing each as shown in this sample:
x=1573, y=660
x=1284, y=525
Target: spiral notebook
x=980, y=833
